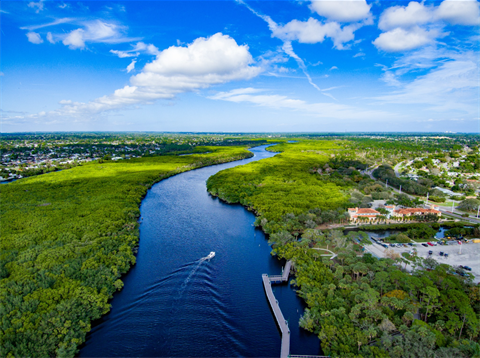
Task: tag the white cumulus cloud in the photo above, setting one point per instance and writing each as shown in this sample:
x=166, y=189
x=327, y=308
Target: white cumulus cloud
x=313, y=31
x=415, y=25
x=34, y=38
x=75, y=39
x=342, y=10
x=405, y=16
x=459, y=12
x=201, y=64
x=206, y=61
x=403, y=40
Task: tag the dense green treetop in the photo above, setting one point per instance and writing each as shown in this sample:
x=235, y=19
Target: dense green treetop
x=66, y=239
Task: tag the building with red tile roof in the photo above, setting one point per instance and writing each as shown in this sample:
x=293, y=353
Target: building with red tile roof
x=414, y=211
x=356, y=213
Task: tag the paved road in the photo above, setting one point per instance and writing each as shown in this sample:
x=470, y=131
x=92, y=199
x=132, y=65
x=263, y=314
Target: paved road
x=471, y=219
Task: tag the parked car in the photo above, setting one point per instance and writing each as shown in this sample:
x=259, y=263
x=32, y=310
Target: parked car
x=434, y=243
x=425, y=245
x=467, y=268
x=410, y=244
x=459, y=242
x=392, y=245
x=429, y=243
x=446, y=255
x=430, y=252
x=441, y=253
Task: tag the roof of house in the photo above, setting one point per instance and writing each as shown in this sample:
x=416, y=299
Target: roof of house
x=367, y=211
x=416, y=210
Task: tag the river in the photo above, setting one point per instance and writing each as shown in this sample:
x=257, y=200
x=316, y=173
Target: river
x=176, y=304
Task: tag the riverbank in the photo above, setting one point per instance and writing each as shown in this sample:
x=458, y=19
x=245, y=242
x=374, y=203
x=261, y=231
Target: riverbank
x=355, y=301
x=66, y=240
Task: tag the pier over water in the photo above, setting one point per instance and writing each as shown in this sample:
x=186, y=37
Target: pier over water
x=282, y=323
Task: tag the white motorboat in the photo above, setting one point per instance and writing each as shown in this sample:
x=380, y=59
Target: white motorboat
x=210, y=255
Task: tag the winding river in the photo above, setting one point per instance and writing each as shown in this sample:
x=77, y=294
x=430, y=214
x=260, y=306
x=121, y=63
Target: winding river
x=175, y=304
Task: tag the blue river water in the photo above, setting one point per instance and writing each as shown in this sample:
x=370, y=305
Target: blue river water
x=174, y=304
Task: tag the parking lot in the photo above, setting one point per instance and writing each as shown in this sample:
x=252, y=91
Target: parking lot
x=467, y=254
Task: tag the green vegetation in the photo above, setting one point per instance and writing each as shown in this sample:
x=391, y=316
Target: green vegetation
x=365, y=307
x=385, y=172
x=401, y=238
x=359, y=306
x=282, y=190
x=469, y=205
x=29, y=154
x=66, y=239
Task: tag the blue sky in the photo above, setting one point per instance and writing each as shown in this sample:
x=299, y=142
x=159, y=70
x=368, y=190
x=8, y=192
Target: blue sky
x=250, y=66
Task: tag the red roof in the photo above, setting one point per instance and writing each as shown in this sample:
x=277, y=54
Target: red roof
x=417, y=210
x=367, y=211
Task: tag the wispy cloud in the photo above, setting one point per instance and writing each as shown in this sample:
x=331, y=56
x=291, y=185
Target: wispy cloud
x=88, y=31
x=97, y=31
x=52, y=23
x=320, y=110
x=287, y=45
x=138, y=48
x=450, y=85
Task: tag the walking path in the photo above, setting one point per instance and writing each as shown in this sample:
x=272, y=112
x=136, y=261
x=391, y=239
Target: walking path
x=282, y=323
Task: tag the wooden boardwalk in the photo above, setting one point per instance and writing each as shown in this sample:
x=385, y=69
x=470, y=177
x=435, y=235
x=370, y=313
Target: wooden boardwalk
x=284, y=276
x=282, y=323
x=285, y=349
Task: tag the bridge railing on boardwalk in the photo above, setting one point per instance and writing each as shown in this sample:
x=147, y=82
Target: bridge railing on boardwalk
x=282, y=323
